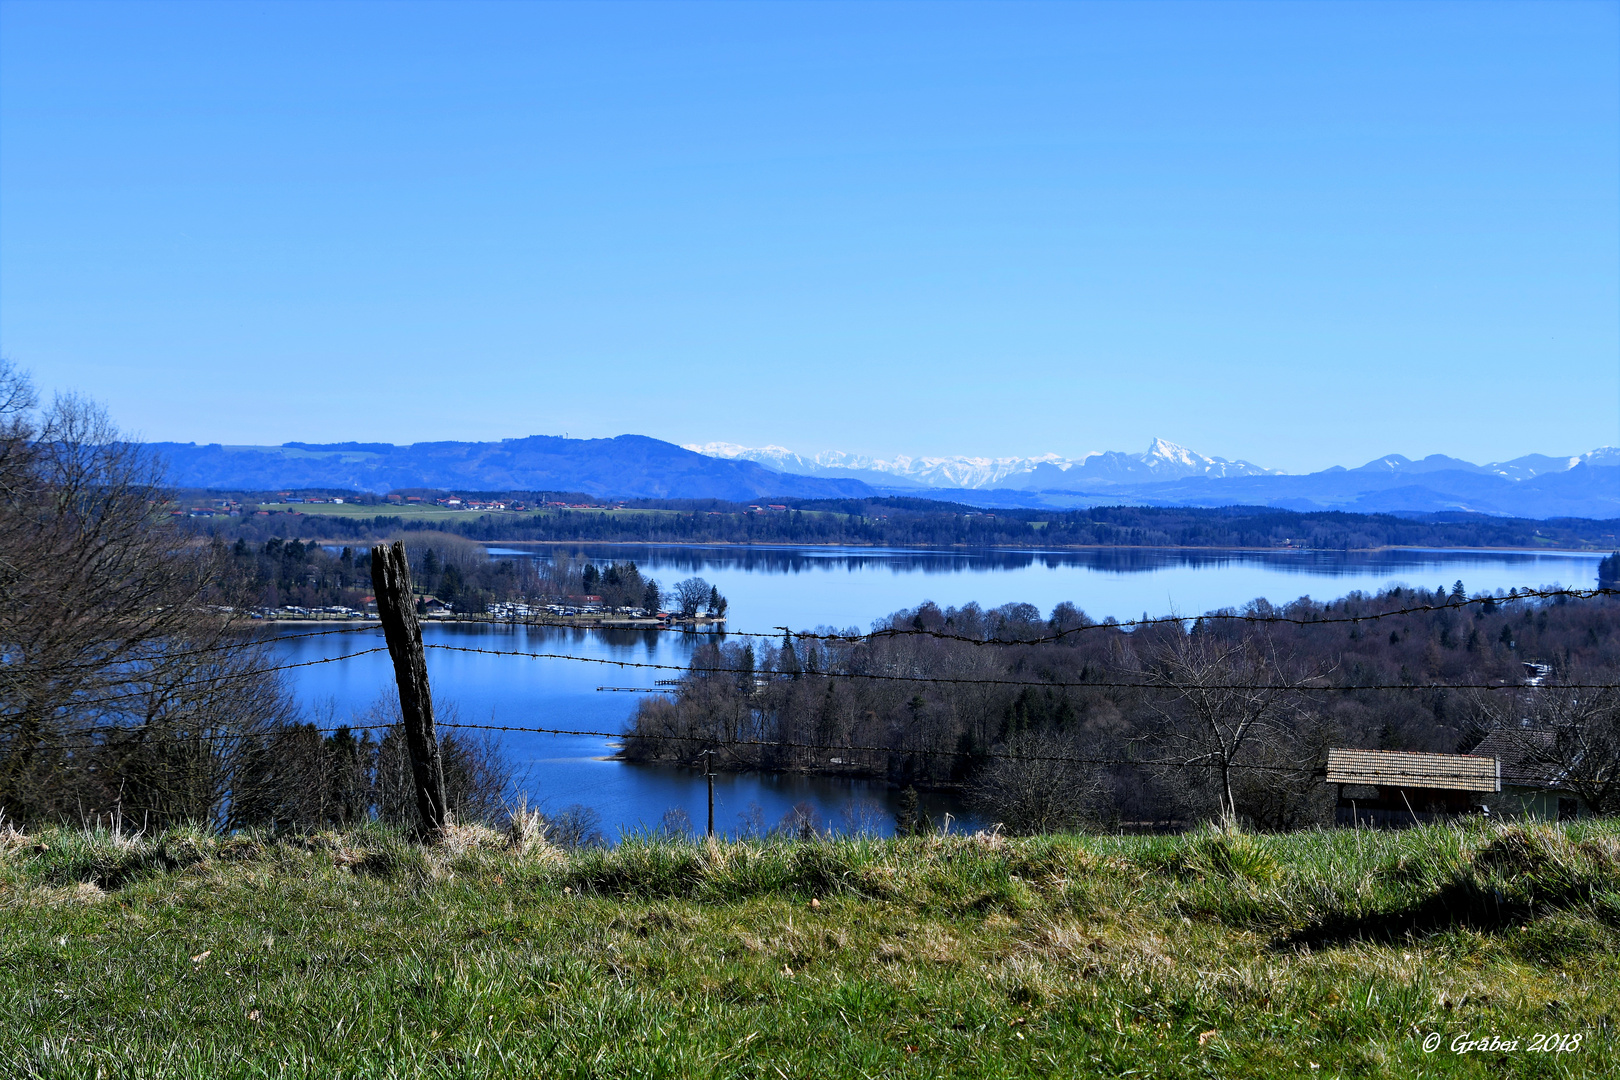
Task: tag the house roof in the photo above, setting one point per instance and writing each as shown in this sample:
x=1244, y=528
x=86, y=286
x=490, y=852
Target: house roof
x=1396, y=768
x=1525, y=754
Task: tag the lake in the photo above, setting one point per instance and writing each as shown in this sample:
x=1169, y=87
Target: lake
x=807, y=588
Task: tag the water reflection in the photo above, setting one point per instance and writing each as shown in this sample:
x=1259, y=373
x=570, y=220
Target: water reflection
x=804, y=588
x=696, y=559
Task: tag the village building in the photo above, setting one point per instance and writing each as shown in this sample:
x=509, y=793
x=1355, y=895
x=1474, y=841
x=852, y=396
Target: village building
x=1534, y=786
x=1512, y=773
x=1394, y=789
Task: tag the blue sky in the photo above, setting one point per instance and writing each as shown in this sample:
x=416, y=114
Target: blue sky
x=1301, y=234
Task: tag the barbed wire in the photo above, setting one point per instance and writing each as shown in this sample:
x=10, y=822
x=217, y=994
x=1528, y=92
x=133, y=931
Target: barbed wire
x=1231, y=616
x=230, y=646
x=1047, y=639
x=197, y=736
x=211, y=681
x=295, y=730
x=690, y=672
x=1096, y=684
x=896, y=632
x=1313, y=768
x=250, y=673
x=795, y=745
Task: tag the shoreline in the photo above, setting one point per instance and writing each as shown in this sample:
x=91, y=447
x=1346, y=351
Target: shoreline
x=569, y=622
x=1032, y=550
x=867, y=776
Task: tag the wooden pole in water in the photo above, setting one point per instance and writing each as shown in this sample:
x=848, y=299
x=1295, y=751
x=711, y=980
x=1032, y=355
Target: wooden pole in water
x=391, y=580
x=708, y=771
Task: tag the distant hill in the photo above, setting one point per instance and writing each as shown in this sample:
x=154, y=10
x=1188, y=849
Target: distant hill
x=630, y=466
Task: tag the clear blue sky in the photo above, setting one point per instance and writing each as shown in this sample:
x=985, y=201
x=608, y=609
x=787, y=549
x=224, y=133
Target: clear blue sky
x=1303, y=234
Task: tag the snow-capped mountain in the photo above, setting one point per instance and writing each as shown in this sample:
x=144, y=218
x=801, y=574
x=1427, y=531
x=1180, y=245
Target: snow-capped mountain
x=944, y=472
x=1520, y=468
x=1531, y=465
x=1162, y=460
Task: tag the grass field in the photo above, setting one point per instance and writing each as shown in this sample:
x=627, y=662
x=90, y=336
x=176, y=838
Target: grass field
x=358, y=954
x=361, y=510
x=434, y=513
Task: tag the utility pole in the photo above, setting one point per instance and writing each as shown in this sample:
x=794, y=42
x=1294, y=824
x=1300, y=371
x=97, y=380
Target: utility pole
x=391, y=579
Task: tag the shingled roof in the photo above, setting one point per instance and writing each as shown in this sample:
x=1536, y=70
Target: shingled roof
x=1526, y=755
x=1395, y=768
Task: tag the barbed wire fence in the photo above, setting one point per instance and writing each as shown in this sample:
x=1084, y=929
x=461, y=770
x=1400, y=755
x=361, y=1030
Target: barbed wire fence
x=94, y=736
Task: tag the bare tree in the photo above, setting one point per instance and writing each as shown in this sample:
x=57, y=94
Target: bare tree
x=1568, y=736
x=574, y=827
x=1035, y=785
x=114, y=624
x=1215, y=703
x=180, y=750
x=691, y=594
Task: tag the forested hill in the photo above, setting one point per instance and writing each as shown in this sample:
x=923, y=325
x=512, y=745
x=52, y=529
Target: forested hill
x=906, y=522
x=630, y=465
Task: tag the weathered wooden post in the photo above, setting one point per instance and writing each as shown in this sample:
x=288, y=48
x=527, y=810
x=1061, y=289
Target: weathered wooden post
x=391, y=580
x=708, y=771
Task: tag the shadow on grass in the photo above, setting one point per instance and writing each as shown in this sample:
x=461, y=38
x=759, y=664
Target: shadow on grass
x=1518, y=876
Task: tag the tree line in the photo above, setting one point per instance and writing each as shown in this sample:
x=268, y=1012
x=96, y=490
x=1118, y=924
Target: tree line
x=456, y=571
x=910, y=522
x=1184, y=720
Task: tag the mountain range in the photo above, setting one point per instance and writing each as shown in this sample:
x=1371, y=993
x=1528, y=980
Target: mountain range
x=1535, y=485
x=630, y=466
x=635, y=466
x=1162, y=461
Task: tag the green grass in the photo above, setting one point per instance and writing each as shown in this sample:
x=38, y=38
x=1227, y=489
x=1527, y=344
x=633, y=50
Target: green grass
x=360, y=954
x=411, y=512
x=361, y=510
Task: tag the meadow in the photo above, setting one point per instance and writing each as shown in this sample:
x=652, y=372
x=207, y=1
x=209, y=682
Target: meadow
x=358, y=953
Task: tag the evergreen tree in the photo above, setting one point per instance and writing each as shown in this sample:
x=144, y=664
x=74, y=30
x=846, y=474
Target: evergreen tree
x=907, y=817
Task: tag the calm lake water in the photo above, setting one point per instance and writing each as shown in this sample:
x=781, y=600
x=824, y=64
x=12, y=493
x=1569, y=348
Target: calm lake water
x=807, y=588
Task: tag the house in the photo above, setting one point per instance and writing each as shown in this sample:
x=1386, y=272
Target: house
x=1532, y=781
x=1392, y=788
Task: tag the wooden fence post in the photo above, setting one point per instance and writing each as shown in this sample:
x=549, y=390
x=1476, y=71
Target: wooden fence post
x=708, y=771
x=391, y=580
